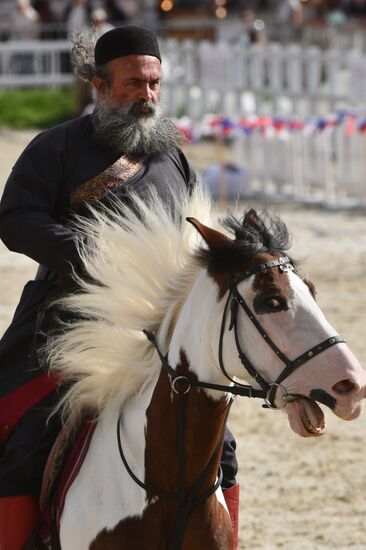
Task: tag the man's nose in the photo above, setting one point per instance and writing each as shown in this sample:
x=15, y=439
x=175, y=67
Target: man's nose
x=146, y=93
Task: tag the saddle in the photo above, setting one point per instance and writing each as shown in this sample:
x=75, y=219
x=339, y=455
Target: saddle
x=63, y=465
x=66, y=456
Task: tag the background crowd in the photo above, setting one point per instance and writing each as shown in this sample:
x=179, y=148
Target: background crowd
x=51, y=19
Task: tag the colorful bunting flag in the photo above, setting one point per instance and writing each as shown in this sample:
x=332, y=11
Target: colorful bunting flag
x=221, y=126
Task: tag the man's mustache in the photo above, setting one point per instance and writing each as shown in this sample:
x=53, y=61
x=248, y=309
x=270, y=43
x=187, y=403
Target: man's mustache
x=142, y=108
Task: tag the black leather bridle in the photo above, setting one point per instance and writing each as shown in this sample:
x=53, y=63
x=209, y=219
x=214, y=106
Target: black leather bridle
x=235, y=299
x=182, y=384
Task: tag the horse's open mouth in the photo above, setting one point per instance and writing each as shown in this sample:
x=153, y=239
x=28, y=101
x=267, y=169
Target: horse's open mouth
x=312, y=416
x=309, y=415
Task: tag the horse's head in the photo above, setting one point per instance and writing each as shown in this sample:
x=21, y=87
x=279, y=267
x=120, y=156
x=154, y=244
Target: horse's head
x=269, y=330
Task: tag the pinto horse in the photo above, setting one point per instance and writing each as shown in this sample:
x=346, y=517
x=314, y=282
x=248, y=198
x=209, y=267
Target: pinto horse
x=172, y=320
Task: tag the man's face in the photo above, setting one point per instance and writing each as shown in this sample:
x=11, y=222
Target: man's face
x=131, y=78
x=127, y=118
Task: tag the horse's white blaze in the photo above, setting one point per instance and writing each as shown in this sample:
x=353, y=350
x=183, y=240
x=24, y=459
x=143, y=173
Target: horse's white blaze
x=199, y=326
x=103, y=492
x=295, y=331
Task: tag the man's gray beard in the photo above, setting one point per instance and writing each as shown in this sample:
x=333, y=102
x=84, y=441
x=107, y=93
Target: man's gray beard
x=128, y=132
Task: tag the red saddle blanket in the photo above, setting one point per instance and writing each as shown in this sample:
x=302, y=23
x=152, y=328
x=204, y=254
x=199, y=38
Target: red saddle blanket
x=17, y=403
x=67, y=454
x=62, y=467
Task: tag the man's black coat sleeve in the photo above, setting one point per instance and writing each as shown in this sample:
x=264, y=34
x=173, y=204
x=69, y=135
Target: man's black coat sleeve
x=30, y=207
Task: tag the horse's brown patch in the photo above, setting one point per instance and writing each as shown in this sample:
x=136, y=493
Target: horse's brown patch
x=208, y=525
x=153, y=531
x=223, y=283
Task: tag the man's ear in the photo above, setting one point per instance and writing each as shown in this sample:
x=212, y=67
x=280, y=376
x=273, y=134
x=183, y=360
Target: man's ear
x=99, y=84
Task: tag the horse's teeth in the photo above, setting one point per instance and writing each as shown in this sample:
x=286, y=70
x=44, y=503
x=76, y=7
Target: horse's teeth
x=311, y=428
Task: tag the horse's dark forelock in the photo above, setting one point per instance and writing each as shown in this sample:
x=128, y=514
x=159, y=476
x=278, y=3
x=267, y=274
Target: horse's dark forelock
x=267, y=233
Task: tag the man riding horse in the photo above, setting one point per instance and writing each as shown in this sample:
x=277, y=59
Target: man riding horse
x=125, y=145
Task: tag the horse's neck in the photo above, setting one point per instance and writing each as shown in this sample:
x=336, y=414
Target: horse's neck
x=149, y=428
x=191, y=355
x=196, y=328
x=149, y=421
x=204, y=420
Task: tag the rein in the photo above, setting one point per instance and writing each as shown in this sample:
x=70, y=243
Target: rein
x=186, y=500
x=181, y=385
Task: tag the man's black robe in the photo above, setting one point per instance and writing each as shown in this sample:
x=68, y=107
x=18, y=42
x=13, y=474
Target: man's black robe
x=60, y=171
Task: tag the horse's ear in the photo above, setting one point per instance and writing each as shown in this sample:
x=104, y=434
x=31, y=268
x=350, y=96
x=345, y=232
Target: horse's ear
x=212, y=237
x=252, y=217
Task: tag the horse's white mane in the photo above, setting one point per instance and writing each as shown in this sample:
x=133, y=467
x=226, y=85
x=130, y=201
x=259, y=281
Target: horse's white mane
x=141, y=259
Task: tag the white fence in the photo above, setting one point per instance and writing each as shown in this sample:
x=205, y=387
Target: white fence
x=201, y=77
x=326, y=167
x=273, y=79
x=35, y=63
x=317, y=165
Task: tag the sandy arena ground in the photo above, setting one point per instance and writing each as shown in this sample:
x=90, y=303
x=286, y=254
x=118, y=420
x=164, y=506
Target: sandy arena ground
x=296, y=494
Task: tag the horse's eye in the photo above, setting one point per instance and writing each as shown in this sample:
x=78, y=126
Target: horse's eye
x=275, y=303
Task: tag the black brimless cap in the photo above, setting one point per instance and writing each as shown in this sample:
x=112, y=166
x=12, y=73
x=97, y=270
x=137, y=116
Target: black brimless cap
x=126, y=40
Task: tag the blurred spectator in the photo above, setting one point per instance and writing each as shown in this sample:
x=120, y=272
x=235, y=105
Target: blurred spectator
x=336, y=18
x=355, y=8
x=77, y=19
x=226, y=182
x=47, y=18
x=100, y=24
x=77, y=16
x=254, y=31
x=115, y=12
x=85, y=100
x=25, y=21
x=290, y=13
x=290, y=19
x=25, y=26
x=121, y=10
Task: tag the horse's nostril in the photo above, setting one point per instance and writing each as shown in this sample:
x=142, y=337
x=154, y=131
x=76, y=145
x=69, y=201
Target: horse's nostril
x=344, y=386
